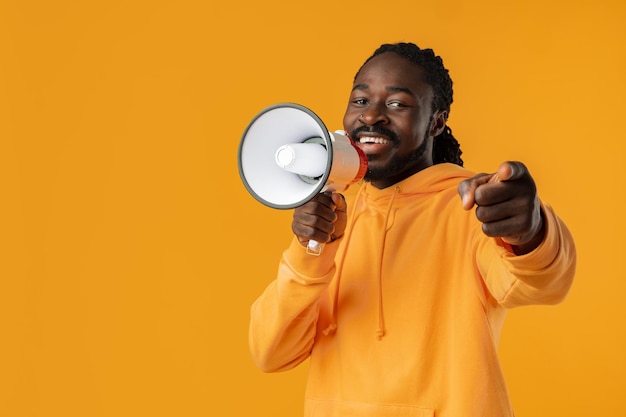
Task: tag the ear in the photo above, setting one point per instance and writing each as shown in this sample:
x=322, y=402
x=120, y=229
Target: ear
x=438, y=122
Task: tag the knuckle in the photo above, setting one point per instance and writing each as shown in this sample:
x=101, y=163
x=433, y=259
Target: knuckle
x=481, y=213
x=481, y=195
x=488, y=230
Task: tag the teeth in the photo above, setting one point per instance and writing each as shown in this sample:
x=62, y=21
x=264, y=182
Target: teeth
x=380, y=141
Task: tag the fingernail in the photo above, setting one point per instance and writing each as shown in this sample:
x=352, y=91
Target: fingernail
x=495, y=178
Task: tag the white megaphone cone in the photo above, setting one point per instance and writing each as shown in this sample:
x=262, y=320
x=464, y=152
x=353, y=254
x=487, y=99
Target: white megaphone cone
x=287, y=156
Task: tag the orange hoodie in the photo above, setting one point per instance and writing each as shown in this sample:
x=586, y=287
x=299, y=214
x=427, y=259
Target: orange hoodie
x=402, y=315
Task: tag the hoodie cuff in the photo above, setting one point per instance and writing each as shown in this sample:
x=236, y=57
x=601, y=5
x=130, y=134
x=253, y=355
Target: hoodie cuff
x=547, y=251
x=311, y=267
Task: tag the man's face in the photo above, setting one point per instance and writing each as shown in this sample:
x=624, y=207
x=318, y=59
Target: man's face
x=389, y=117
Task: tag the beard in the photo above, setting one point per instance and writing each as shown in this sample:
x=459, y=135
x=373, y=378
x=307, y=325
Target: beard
x=398, y=163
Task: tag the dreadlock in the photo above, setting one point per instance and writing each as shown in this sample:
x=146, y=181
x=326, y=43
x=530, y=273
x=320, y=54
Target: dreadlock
x=445, y=147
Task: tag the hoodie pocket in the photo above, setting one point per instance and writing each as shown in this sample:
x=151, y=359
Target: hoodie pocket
x=336, y=408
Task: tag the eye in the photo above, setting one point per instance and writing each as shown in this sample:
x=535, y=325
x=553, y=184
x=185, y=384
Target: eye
x=396, y=104
x=359, y=101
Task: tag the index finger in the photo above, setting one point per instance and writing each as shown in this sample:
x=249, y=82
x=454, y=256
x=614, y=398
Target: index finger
x=467, y=189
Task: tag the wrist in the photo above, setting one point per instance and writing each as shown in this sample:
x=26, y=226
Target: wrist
x=531, y=243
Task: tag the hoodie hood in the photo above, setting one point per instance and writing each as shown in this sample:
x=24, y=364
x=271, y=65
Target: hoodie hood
x=431, y=180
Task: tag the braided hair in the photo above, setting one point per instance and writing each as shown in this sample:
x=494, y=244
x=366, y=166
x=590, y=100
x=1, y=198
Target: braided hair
x=445, y=147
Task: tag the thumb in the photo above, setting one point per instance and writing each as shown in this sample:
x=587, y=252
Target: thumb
x=342, y=218
x=339, y=201
x=508, y=171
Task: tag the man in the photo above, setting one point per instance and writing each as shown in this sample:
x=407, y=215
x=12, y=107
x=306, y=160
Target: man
x=401, y=313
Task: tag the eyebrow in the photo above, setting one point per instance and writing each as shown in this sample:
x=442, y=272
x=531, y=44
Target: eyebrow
x=393, y=89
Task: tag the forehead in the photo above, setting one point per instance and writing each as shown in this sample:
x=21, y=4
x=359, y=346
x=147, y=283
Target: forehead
x=391, y=70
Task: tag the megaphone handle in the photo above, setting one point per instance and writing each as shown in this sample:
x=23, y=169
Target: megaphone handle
x=314, y=248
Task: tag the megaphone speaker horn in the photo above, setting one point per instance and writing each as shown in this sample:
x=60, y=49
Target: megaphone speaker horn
x=287, y=156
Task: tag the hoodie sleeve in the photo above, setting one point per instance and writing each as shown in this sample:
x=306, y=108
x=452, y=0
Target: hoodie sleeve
x=283, y=319
x=543, y=276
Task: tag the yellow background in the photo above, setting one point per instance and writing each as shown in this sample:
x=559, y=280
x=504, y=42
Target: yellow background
x=130, y=251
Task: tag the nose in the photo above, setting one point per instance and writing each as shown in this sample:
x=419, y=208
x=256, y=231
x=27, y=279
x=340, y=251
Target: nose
x=374, y=114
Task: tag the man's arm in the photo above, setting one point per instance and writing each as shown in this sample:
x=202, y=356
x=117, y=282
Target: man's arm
x=535, y=259
x=284, y=319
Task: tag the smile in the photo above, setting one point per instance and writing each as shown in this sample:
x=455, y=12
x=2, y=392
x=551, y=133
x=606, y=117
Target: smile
x=374, y=139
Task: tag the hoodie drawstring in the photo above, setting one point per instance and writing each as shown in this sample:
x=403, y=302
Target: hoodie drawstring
x=380, y=331
x=333, y=318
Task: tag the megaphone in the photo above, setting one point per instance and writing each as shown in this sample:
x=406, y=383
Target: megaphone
x=287, y=156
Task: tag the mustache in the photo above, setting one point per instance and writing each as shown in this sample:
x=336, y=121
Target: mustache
x=377, y=130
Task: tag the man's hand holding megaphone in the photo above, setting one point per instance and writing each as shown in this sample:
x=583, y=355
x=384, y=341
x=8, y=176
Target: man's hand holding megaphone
x=287, y=157
x=322, y=219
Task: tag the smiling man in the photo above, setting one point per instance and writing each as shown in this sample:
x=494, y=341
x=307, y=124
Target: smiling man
x=390, y=115
x=401, y=313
